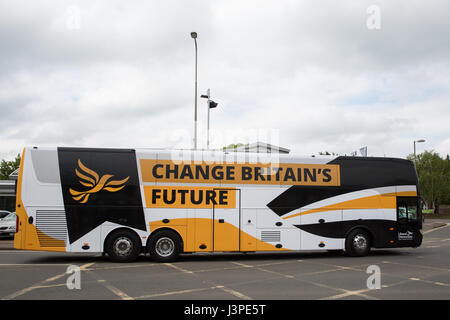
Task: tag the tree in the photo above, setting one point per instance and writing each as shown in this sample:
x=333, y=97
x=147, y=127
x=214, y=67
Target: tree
x=7, y=167
x=233, y=146
x=434, y=178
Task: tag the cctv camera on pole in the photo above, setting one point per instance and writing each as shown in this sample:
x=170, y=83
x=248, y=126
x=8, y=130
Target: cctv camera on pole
x=210, y=104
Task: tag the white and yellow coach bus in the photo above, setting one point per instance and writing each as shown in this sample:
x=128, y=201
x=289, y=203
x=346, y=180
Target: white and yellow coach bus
x=125, y=202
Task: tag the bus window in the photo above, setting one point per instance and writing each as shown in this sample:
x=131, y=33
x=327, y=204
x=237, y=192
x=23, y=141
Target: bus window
x=406, y=209
x=412, y=212
x=402, y=214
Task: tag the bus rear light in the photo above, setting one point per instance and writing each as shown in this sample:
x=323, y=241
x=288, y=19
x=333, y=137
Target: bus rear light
x=391, y=229
x=17, y=223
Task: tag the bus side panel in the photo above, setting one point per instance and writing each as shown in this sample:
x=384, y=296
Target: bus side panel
x=312, y=241
x=19, y=237
x=100, y=186
x=261, y=228
x=175, y=219
x=37, y=204
x=248, y=230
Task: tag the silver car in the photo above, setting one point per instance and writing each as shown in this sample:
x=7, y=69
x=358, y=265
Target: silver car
x=8, y=225
x=4, y=213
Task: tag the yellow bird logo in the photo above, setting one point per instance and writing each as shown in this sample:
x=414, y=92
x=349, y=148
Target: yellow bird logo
x=90, y=178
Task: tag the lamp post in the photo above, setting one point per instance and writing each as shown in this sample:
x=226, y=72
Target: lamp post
x=418, y=141
x=194, y=36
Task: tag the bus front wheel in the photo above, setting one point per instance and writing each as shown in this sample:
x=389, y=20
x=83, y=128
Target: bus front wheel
x=357, y=243
x=123, y=246
x=164, y=246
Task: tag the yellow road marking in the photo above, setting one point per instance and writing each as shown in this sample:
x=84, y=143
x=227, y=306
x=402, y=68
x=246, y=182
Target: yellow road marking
x=351, y=293
x=178, y=268
x=118, y=292
x=42, y=283
x=235, y=293
x=345, y=292
x=243, y=265
x=428, y=231
x=169, y=293
x=228, y=290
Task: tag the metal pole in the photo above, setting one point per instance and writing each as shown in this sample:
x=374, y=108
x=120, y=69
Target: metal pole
x=419, y=141
x=207, y=105
x=195, y=117
x=414, y=150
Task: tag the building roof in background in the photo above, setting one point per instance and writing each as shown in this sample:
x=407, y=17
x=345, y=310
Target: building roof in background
x=14, y=175
x=7, y=188
x=260, y=147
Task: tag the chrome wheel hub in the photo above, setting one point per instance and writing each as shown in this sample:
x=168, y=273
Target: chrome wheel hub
x=123, y=246
x=360, y=242
x=165, y=247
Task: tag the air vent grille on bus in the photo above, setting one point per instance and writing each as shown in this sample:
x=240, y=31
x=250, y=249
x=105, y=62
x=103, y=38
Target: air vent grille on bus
x=270, y=236
x=51, y=228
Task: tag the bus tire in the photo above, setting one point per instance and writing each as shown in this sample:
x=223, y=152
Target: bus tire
x=164, y=246
x=123, y=246
x=357, y=243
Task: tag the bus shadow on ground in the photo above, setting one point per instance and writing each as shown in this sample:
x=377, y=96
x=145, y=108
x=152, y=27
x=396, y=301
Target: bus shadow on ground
x=78, y=259
x=306, y=255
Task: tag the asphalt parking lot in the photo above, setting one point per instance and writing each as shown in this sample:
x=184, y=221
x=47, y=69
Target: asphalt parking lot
x=405, y=273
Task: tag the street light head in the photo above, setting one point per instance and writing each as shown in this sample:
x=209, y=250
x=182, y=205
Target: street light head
x=194, y=35
x=421, y=140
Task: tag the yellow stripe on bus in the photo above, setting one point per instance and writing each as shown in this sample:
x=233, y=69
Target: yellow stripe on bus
x=199, y=231
x=384, y=201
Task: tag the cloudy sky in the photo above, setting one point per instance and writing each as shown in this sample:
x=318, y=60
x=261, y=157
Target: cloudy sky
x=310, y=76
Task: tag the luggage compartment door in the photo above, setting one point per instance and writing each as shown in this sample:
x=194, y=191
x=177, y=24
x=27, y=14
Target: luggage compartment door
x=227, y=219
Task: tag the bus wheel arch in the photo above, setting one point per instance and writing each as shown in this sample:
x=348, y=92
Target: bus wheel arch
x=358, y=241
x=164, y=245
x=122, y=245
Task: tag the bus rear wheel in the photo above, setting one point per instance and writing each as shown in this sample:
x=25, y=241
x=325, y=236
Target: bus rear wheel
x=164, y=246
x=357, y=243
x=123, y=246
